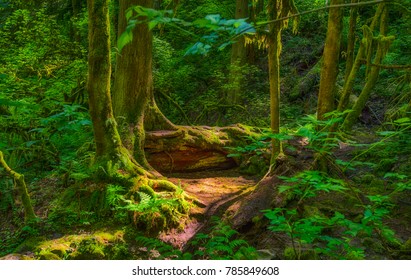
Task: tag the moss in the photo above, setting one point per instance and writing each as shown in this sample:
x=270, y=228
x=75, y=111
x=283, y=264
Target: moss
x=29, y=245
x=97, y=246
x=89, y=249
x=406, y=247
x=256, y=165
x=60, y=252
x=45, y=255
x=289, y=254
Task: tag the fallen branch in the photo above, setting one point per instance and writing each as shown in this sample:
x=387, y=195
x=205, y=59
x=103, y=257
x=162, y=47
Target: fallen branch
x=21, y=186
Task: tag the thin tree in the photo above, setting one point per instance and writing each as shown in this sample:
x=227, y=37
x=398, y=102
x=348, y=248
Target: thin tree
x=276, y=10
x=373, y=69
x=238, y=57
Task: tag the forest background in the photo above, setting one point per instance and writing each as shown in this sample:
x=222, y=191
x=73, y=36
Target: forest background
x=324, y=108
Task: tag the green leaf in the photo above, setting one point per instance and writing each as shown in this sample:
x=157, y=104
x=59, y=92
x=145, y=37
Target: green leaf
x=152, y=24
x=129, y=14
x=125, y=38
x=403, y=120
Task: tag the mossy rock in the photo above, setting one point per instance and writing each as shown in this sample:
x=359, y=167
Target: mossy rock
x=89, y=249
x=60, y=250
x=45, y=255
x=100, y=245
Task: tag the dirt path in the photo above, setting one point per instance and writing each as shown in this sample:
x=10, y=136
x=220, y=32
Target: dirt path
x=216, y=190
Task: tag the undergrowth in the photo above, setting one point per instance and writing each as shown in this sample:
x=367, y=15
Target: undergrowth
x=221, y=243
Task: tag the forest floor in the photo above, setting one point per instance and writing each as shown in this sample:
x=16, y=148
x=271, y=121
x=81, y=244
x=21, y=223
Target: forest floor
x=216, y=191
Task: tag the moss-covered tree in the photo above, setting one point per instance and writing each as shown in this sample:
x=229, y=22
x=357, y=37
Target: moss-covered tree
x=133, y=84
x=238, y=57
x=276, y=10
x=352, y=70
x=110, y=152
x=383, y=43
x=112, y=157
x=351, y=39
x=329, y=69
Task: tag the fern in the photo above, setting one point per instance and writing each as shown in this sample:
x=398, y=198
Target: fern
x=222, y=244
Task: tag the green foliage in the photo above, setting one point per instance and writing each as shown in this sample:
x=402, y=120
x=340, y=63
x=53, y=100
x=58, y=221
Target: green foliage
x=150, y=211
x=333, y=236
x=221, y=244
x=214, y=25
x=309, y=183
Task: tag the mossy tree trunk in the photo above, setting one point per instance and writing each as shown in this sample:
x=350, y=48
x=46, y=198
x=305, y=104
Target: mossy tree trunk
x=154, y=119
x=363, y=51
x=349, y=80
x=110, y=152
x=238, y=58
x=351, y=39
x=374, y=70
x=133, y=85
x=329, y=70
x=276, y=10
x=20, y=183
x=274, y=49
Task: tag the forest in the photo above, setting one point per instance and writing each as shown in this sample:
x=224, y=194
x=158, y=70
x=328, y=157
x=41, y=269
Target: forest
x=205, y=130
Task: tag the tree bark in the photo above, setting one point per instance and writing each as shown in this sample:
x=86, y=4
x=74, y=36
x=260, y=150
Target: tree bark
x=276, y=10
x=364, y=50
x=238, y=57
x=329, y=70
x=351, y=40
x=133, y=85
x=109, y=148
x=374, y=70
x=274, y=50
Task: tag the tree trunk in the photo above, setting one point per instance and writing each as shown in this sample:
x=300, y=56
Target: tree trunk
x=329, y=70
x=133, y=84
x=238, y=57
x=349, y=80
x=364, y=49
x=276, y=10
x=18, y=178
x=274, y=77
x=371, y=79
x=109, y=148
x=351, y=40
